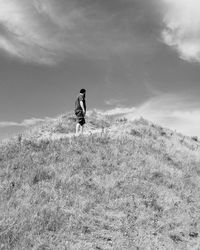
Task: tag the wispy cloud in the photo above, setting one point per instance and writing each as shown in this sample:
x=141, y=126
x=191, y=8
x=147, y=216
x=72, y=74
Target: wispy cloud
x=114, y=101
x=8, y=124
x=118, y=110
x=178, y=112
x=24, y=123
x=28, y=30
x=182, y=27
x=48, y=31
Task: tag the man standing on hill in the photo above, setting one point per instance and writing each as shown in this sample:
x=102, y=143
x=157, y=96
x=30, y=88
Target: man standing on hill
x=80, y=111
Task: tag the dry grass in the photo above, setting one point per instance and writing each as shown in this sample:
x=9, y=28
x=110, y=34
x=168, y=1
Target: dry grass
x=135, y=186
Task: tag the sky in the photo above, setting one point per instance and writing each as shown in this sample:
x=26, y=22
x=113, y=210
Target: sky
x=134, y=57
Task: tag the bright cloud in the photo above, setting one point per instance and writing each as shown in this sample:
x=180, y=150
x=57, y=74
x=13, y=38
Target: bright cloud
x=8, y=124
x=28, y=30
x=47, y=31
x=24, y=123
x=18, y=36
x=169, y=110
x=114, y=102
x=182, y=31
x=118, y=110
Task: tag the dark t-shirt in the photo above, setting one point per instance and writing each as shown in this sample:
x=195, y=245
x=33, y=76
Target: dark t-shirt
x=77, y=103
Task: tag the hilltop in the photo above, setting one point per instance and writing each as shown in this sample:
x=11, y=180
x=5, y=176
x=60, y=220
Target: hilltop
x=123, y=185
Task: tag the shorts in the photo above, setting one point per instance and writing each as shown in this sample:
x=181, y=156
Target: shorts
x=80, y=117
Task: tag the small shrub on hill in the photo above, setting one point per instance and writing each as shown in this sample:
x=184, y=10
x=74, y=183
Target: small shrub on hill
x=194, y=138
x=135, y=132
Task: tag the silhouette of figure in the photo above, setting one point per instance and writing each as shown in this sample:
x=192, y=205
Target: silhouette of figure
x=80, y=111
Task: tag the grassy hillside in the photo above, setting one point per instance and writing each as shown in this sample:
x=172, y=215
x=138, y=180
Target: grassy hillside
x=124, y=185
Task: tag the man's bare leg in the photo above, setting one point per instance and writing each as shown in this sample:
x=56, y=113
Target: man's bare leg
x=78, y=126
x=81, y=129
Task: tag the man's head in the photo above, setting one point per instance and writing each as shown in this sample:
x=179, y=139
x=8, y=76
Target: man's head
x=82, y=91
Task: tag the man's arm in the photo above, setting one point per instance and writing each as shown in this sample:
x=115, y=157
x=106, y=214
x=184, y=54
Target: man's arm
x=82, y=106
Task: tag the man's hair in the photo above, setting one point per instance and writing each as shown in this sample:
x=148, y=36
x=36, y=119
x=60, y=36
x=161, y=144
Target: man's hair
x=82, y=91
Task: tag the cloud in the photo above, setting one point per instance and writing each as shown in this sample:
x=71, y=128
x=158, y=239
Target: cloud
x=24, y=123
x=8, y=124
x=178, y=112
x=48, y=31
x=117, y=110
x=182, y=27
x=20, y=35
x=30, y=122
x=114, y=102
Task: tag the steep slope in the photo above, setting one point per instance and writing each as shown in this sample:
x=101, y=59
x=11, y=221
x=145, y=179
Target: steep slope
x=124, y=185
